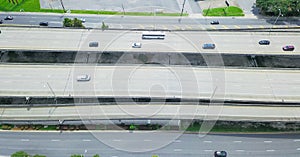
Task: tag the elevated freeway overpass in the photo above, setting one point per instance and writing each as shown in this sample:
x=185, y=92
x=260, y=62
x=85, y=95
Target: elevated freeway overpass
x=121, y=40
x=150, y=81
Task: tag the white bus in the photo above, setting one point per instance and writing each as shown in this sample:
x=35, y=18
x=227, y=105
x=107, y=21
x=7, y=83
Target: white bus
x=153, y=35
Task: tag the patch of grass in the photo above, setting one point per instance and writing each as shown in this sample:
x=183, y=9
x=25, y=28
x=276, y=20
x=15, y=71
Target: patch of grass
x=24, y=5
x=224, y=11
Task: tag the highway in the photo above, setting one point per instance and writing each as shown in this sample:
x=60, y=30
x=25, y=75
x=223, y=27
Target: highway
x=155, y=111
x=124, y=144
x=150, y=81
x=187, y=41
x=136, y=22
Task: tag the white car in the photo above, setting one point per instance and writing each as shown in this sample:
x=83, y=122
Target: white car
x=82, y=20
x=136, y=45
x=83, y=77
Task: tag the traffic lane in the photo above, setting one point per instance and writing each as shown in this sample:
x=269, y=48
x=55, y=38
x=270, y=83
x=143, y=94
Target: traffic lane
x=186, y=145
x=129, y=81
x=57, y=18
x=78, y=39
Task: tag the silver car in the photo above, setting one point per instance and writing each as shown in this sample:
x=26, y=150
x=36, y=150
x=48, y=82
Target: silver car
x=136, y=45
x=84, y=77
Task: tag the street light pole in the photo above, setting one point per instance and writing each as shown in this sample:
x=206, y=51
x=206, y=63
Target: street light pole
x=179, y=20
x=275, y=21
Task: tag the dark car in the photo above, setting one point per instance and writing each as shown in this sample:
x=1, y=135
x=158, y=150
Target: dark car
x=214, y=22
x=288, y=48
x=8, y=18
x=1, y=21
x=44, y=23
x=209, y=46
x=264, y=42
x=220, y=154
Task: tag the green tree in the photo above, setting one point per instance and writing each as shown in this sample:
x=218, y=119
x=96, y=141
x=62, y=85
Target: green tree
x=104, y=26
x=132, y=127
x=77, y=155
x=20, y=154
x=37, y=155
x=77, y=23
x=96, y=155
x=68, y=22
x=274, y=7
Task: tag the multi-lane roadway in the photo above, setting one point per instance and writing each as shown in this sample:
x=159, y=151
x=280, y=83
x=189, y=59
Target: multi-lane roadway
x=169, y=23
x=149, y=81
x=109, y=40
x=53, y=144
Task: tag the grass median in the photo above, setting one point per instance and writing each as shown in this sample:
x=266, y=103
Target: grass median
x=224, y=11
x=34, y=6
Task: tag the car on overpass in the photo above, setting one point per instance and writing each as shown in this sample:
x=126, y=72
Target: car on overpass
x=136, y=45
x=264, y=42
x=288, y=48
x=84, y=77
x=209, y=46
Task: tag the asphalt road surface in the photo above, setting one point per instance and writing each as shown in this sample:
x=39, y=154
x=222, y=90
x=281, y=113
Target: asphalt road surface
x=187, y=41
x=152, y=22
x=149, y=81
x=110, y=144
x=154, y=111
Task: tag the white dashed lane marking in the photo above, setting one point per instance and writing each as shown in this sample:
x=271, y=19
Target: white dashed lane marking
x=207, y=141
x=86, y=140
x=24, y=140
x=116, y=140
x=267, y=141
x=270, y=150
x=55, y=140
x=237, y=141
x=177, y=150
x=297, y=140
